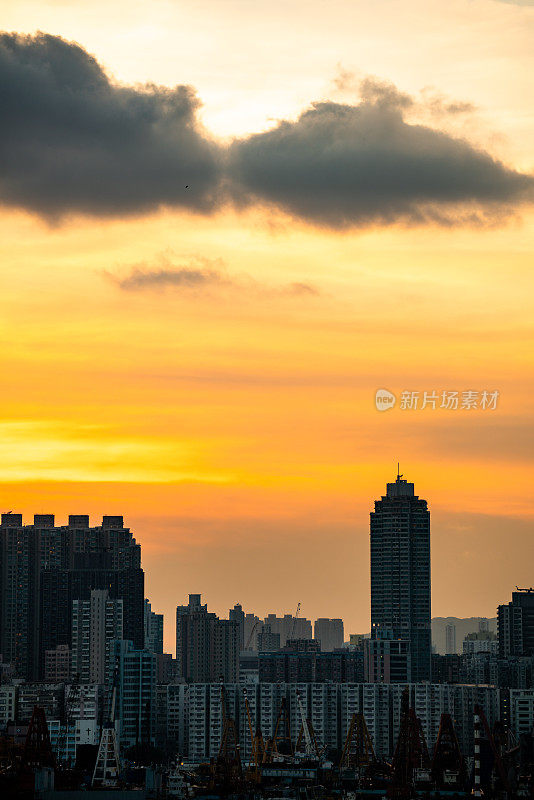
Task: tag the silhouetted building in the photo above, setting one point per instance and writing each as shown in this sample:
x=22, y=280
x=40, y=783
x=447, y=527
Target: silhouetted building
x=207, y=648
x=386, y=658
x=515, y=622
x=236, y=614
x=312, y=666
x=289, y=627
x=329, y=632
x=267, y=641
x=60, y=588
x=37, y=588
x=400, y=572
x=20, y=560
x=450, y=639
x=153, y=629
x=446, y=669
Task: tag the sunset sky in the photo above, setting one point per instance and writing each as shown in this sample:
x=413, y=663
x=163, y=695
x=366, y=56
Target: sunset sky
x=224, y=225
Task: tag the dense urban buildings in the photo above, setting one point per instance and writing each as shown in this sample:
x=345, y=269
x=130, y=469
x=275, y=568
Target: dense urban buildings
x=400, y=575
x=77, y=596
x=44, y=568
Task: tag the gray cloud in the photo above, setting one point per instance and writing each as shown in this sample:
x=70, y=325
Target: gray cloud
x=196, y=274
x=200, y=275
x=74, y=142
x=343, y=166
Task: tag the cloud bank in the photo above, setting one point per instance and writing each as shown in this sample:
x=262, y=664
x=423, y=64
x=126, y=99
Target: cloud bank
x=73, y=142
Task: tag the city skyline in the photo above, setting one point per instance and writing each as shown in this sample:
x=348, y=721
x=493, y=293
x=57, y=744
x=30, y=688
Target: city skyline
x=54, y=590
x=200, y=301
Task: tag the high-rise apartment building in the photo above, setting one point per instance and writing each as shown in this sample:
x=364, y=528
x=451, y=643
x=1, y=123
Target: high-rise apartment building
x=450, y=639
x=207, y=648
x=58, y=664
x=329, y=632
x=19, y=594
x=387, y=659
x=289, y=627
x=267, y=641
x=400, y=572
x=238, y=615
x=136, y=694
x=96, y=624
x=515, y=623
x=44, y=567
x=153, y=629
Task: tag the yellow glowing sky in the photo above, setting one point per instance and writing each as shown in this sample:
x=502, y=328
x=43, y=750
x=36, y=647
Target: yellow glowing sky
x=235, y=428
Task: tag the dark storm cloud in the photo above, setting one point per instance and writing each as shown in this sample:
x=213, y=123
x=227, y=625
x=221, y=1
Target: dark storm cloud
x=342, y=166
x=71, y=141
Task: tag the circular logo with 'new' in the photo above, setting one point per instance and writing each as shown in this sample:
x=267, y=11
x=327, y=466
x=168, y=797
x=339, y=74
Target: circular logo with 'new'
x=384, y=400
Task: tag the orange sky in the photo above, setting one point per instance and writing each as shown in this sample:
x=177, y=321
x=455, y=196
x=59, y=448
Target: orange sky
x=234, y=426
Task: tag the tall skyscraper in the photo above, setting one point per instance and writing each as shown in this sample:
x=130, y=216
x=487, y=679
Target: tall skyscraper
x=400, y=573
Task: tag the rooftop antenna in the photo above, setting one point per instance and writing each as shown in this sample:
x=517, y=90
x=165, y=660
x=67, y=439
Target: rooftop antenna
x=399, y=476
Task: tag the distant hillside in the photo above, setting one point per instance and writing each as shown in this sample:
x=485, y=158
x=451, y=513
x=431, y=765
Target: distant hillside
x=463, y=627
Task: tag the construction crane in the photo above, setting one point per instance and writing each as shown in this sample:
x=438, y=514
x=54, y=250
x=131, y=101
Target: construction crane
x=295, y=618
x=249, y=640
x=62, y=740
x=107, y=766
x=37, y=748
x=37, y=753
x=281, y=743
x=227, y=771
x=257, y=745
x=481, y=724
x=358, y=749
x=411, y=762
x=308, y=749
x=448, y=766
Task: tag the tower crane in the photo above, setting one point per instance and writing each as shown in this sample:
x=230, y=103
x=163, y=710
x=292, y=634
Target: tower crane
x=295, y=618
x=309, y=750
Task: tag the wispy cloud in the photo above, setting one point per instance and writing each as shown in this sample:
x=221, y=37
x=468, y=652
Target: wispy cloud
x=197, y=274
